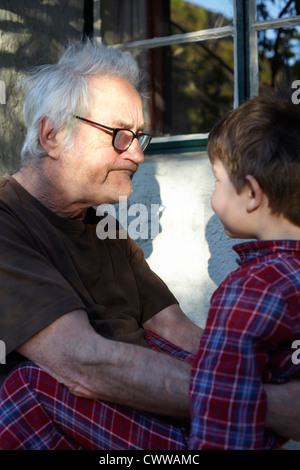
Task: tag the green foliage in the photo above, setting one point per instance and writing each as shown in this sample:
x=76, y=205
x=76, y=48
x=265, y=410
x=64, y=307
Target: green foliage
x=201, y=73
x=279, y=59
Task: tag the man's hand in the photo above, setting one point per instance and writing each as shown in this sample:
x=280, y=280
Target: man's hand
x=173, y=325
x=284, y=409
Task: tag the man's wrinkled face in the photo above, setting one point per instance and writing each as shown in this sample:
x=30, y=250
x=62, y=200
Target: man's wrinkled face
x=96, y=172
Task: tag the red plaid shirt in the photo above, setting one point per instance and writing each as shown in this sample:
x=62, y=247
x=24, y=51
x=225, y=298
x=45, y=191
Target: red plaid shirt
x=253, y=319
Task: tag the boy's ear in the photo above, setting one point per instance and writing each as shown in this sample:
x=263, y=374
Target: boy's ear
x=255, y=193
x=48, y=138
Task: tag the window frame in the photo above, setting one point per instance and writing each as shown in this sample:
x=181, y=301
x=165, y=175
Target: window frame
x=243, y=31
x=247, y=51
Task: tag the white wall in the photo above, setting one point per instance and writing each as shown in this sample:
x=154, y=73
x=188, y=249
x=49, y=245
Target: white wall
x=191, y=253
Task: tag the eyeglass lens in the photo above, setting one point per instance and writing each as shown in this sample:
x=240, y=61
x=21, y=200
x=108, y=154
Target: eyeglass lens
x=144, y=141
x=124, y=138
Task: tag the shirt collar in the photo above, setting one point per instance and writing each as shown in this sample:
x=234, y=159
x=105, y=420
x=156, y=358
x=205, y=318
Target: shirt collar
x=252, y=250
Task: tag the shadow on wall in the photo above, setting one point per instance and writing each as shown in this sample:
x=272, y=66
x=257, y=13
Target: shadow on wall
x=32, y=32
x=222, y=258
x=146, y=191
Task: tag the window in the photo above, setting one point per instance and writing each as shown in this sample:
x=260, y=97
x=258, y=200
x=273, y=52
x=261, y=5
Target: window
x=278, y=42
x=200, y=58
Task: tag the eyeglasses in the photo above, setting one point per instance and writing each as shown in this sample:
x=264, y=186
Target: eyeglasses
x=122, y=138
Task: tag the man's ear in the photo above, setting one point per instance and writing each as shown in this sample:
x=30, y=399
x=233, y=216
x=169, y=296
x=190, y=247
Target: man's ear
x=255, y=193
x=48, y=138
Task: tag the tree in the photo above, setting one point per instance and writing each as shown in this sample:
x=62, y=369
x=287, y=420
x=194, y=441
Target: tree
x=279, y=63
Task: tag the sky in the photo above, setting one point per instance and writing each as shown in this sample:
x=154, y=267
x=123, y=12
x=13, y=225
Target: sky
x=219, y=6
x=226, y=6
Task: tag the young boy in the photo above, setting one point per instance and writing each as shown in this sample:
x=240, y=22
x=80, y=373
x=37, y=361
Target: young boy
x=255, y=313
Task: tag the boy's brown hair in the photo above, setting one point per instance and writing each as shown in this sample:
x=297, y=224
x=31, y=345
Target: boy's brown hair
x=262, y=138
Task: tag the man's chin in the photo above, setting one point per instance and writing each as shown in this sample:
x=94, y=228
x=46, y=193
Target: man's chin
x=116, y=198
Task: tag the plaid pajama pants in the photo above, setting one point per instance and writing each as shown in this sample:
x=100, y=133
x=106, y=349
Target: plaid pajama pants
x=38, y=413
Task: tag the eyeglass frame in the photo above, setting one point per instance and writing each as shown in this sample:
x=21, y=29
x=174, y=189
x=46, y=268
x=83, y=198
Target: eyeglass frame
x=115, y=131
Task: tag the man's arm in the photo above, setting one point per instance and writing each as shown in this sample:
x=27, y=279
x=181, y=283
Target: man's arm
x=173, y=325
x=93, y=367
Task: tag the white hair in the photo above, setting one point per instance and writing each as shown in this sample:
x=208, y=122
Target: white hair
x=61, y=90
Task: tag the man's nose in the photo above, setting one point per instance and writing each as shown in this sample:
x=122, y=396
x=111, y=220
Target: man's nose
x=134, y=152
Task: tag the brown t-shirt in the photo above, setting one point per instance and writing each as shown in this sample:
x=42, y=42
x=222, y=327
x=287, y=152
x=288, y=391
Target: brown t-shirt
x=50, y=265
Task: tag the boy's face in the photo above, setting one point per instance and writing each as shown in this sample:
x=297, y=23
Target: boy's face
x=229, y=206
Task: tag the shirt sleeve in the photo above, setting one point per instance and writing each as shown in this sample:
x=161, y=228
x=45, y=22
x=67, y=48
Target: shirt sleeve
x=228, y=402
x=33, y=292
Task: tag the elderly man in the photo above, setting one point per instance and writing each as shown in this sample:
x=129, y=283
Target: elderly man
x=86, y=313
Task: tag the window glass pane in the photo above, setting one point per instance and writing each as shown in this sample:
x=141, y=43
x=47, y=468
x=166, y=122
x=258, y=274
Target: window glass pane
x=279, y=56
x=188, y=87
x=131, y=20
x=272, y=9
x=219, y=12
x=196, y=15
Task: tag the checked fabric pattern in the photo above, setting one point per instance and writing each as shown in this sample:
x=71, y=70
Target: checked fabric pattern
x=253, y=319
x=38, y=413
